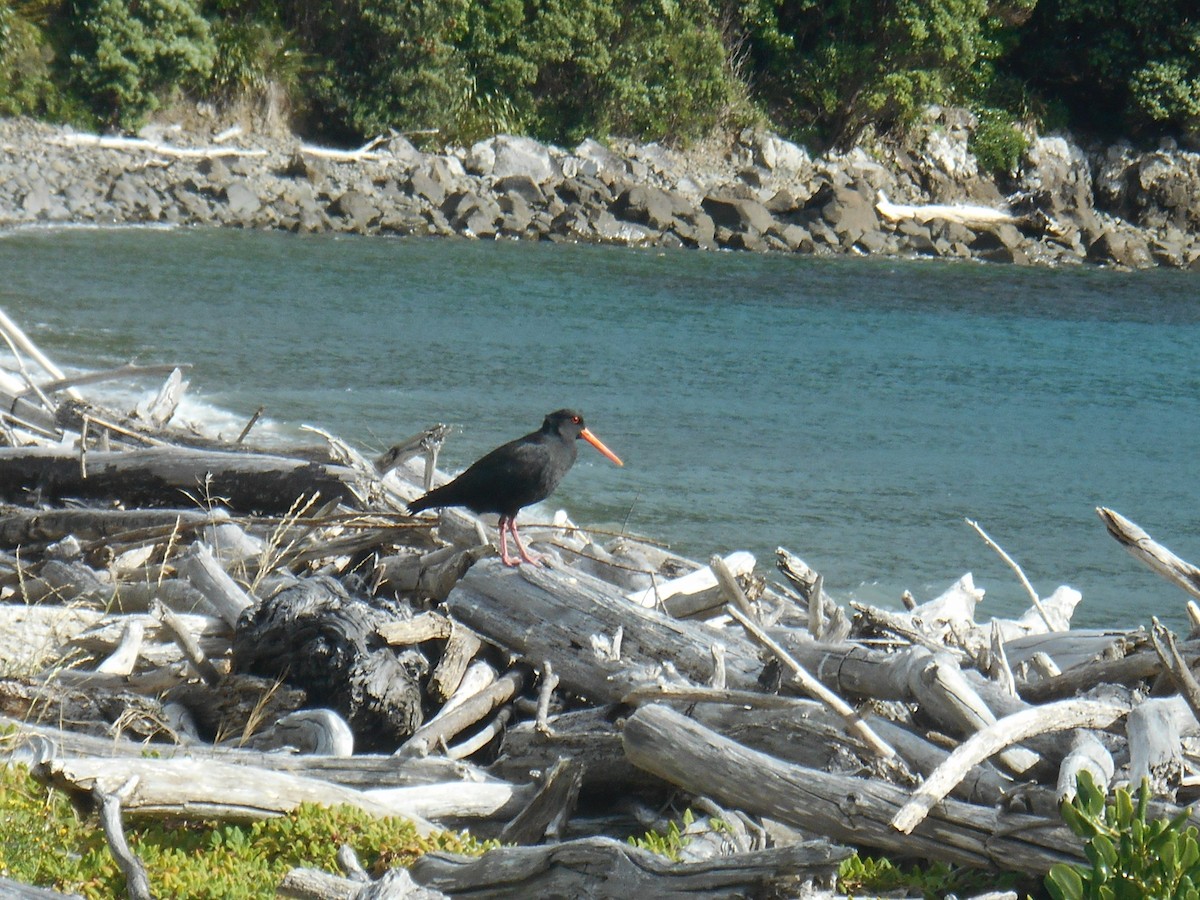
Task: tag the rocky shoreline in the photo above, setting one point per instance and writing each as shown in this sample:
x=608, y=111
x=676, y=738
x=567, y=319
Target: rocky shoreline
x=1117, y=207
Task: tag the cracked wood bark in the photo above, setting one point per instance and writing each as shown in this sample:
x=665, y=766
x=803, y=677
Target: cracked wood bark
x=844, y=808
x=554, y=613
x=318, y=637
x=165, y=476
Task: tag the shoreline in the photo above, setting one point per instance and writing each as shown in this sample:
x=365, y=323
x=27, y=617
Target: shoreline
x=1116, y=208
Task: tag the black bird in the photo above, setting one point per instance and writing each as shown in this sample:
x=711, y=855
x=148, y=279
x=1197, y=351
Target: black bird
x=517, y=474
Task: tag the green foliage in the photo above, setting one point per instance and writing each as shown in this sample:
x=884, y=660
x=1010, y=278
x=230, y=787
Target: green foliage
x=669, y=843
x=127, y=56
x=383, y=64
x=1131, y=858
x=46, y=843
x=825, y=73
x=28, y=83
x=833, y=69
x=1130, y=67
x=997, y=143
x=869, y=876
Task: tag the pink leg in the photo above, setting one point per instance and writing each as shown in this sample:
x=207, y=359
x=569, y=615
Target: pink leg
x=504, y=557
x=525, y=555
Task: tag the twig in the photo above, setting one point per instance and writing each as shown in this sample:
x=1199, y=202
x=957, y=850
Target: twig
x=549, y=682
x=253, y=420
x=136, y=882
x=814, y=687
x=1176, y=666
x=187, y=643
x=1037, y=603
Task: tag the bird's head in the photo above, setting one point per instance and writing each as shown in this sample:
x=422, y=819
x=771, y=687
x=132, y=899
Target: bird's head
x=569, y=424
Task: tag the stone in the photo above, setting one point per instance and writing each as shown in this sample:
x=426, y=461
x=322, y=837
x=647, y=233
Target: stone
x=1127, y=249
x=851, y=214
x=241, y=200
x=523, y=185
x=648, y=205
x=523, y=156
x=422, y=184
x=739, y=215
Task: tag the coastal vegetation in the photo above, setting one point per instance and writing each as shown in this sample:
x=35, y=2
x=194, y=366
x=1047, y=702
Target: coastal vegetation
x=827, y=74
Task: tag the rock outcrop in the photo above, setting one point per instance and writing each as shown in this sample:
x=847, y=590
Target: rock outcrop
x=1118, y=207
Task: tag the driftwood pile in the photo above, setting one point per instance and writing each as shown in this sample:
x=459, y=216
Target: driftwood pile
x=278, y=630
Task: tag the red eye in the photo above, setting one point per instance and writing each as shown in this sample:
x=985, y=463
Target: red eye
x=576, y=419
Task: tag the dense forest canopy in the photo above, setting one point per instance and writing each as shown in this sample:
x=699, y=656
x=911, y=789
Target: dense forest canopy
x=823, y=73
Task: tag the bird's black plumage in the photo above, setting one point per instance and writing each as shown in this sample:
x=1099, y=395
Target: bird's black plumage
x=517, y=474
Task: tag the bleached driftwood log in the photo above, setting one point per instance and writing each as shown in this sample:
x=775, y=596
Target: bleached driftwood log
x=1133, y=538
x=853, y=810
x=158, y=148
x=20, y=527
x=211, y=789
x=573, y=869
x=701, y=588
x=558, y=614
x=1154, y=729
x=963, y=213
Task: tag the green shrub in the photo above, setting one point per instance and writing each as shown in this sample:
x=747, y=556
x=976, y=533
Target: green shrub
x=1130, y=858
x=127, y=56
x=871, y=876
x=997, y=143
x=26, y=86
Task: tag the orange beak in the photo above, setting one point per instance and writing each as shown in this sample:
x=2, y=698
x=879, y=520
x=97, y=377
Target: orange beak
x=599, y=445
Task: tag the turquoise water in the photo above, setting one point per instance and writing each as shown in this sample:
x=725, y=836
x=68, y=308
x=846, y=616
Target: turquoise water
x=854, y=411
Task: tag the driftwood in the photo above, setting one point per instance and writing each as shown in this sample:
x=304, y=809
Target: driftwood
x=209, y=789
x=320, y=638
x=274, y=627
x=572, y=619
x=854, y=810
x=1160, y=560
x=570, y=870
x=165, y=476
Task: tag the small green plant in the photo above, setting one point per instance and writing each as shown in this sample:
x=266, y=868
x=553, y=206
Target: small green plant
x=669, y=843
x=1130, y=858
x=869, y=876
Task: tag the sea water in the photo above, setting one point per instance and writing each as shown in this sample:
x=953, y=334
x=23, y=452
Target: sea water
x=855, y=411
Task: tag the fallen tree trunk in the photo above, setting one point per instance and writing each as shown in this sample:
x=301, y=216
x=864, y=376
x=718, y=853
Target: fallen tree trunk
x=163, y=476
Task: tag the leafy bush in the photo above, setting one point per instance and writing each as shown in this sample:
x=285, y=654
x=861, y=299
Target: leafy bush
x=833, y=70
x=870, y=876
x=1130, y=857
x=26, y=85
x=1130, y=67
x=997, y=143
x=127, y=56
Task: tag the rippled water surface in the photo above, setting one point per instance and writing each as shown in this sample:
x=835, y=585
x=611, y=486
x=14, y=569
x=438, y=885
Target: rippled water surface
x=854, y=411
